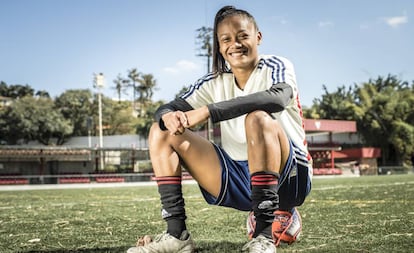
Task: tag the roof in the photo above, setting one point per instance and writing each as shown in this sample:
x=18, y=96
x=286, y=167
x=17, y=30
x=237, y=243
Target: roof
x=324, y=125
x=366, y=152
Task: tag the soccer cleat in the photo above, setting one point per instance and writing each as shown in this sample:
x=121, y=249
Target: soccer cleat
x=286, y=227
x=166, y=243
x=260, y=244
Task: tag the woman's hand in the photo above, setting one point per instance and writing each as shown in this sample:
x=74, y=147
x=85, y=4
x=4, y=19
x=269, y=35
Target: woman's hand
x=176, y=122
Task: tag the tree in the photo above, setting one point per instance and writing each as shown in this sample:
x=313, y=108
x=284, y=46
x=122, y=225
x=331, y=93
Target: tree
x=335, y=105
x=120, y=86
x=3, y=89
x=80, y=105
x=42, y=93
x=143, y=86
x=119, y=118
x=76, y=105
x=9, y=133
x=134, y=77
x=383, y=108
x=31, y=118
x=383, y=111
x=18, y=91
x=204, y=42
x=147, y=86
x=145, y=121
x=15, y=90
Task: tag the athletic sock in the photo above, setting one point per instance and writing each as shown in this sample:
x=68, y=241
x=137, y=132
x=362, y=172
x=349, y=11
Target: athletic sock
x=265, y=201
x=172, y=201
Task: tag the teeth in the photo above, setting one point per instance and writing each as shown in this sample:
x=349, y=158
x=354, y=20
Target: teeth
x=236, y=54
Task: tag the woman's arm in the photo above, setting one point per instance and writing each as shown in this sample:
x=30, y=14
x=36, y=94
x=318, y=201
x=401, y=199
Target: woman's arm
x=177, y=104
x=272, y=100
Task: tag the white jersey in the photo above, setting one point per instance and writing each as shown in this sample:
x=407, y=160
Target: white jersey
x=270, y=70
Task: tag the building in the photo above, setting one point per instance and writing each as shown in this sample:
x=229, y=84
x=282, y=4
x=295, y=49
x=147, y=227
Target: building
x=333, y=144
x=335, y=148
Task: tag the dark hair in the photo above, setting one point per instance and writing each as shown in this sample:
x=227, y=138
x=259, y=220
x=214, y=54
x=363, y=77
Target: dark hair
x=219, y=64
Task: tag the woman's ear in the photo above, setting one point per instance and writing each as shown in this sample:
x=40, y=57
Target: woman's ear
x=259, y=38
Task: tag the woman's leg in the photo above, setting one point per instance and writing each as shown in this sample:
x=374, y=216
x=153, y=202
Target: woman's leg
x=168, y=153
x=267, y=144
x=198, y=155
x=268, y=150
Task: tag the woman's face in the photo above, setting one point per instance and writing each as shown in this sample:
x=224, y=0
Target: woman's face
x=238, y=40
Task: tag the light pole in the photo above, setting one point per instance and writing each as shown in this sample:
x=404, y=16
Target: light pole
x=99, y=82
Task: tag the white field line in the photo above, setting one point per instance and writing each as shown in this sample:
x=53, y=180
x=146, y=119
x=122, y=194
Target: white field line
x=153, y=183
x=80, y=186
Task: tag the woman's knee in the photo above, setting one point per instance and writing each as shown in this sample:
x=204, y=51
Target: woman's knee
x=260, y=124
x=156, y=134
x=259, y=120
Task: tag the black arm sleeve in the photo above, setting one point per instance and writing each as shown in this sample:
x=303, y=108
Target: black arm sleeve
x=178, y=104
x=272, y=100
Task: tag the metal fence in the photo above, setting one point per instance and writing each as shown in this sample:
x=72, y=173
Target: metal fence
x=55, y=165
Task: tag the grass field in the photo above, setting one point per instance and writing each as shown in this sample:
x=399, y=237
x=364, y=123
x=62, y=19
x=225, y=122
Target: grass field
x=365, y=214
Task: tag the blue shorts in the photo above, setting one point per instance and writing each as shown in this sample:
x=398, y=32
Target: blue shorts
x=294, y=182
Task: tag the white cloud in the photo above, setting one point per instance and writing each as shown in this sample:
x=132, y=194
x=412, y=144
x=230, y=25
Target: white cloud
x=396, y=21
x=323, y=24
x=181, y=66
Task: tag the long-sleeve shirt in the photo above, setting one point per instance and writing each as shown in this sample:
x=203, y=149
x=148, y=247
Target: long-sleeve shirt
x=271, y=87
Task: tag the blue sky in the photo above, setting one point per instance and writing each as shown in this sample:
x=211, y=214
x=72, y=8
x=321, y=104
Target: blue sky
x=55, y=45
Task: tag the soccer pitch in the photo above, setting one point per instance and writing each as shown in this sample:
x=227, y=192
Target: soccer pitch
x=365, y=214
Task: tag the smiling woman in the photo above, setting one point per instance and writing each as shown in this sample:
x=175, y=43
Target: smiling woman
x=255, y=99
x=238, y=40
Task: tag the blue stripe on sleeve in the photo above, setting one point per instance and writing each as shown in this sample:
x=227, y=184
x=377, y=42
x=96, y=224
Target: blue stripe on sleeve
x=198, y=84
x=278, y=69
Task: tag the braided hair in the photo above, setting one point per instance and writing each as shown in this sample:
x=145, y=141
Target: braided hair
x=219, y=64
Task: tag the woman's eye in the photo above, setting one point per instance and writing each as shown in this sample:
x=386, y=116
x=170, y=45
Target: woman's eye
x=243, y=36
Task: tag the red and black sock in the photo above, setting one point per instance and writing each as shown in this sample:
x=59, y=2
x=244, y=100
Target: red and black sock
x=172, y=201
x=265, y=201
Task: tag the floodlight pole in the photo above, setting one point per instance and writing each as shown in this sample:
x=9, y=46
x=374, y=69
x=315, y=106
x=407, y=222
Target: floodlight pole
x=100, y=83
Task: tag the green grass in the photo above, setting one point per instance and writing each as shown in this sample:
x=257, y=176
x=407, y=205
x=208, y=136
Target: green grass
x=366, y=214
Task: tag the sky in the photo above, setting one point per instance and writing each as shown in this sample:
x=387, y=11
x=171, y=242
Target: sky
x=57, y=45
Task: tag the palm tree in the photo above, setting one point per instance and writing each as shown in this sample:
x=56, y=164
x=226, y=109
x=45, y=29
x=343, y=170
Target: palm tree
x=204, y=40
x=134, y=76
x=147, y=86
x=120, y=85
x=146, y=90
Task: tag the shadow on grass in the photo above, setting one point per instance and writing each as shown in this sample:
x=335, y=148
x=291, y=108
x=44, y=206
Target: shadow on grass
x=201, y=247
x=95, y=250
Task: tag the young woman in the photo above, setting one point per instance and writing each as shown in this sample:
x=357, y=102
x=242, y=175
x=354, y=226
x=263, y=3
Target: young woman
x=262, y=164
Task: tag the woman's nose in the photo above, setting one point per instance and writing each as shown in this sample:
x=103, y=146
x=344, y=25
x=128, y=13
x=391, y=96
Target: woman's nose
x=237, y=44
